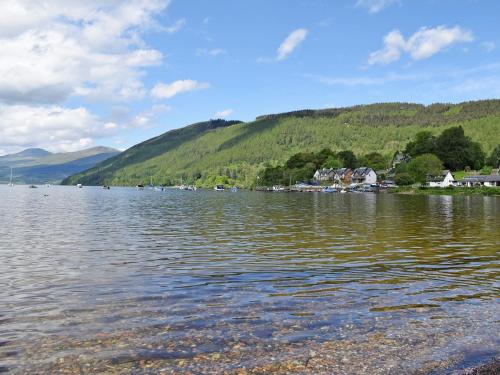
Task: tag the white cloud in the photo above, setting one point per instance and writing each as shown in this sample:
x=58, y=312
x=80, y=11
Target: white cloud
x=224, y=113
x=54, y=49
x=375, y=6
x=210, y=52
x=169, y=90
x=176, y=26
x=421, y=45
x=52, y=127
x=147, y=118
x=293, y=40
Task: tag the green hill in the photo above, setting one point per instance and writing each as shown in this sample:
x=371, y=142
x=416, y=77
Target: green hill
x=234, y=152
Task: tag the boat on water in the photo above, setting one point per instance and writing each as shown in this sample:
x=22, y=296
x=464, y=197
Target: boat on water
x=140, y=187
x=187, y=187
x=33, y=187
x=106, y=187
x=234, y=189
x=11, y=182
x=278, y=188
x=219, y=188
x=328, y=189
x=79, y=186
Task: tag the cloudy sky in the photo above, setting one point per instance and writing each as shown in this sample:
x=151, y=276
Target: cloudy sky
x=75, y=74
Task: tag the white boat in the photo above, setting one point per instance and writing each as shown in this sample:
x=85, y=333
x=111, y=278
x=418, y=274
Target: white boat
x=219, y=188
x=79, y=186
x=11, y=183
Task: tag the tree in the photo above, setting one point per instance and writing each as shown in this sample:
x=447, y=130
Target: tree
x=457, y=151
x=374, y=160
x=424, y=143
x=403, y=179
x=332, y=162
x=477, y=155
x=323, y=156
x=300, y=159
x=423, y=166
x=348, y=159
x=494, y=158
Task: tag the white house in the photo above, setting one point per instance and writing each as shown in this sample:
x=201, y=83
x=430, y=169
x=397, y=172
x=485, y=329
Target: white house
x=481, y=180
x=325, y=174
x=445, y=179
x=364, y=175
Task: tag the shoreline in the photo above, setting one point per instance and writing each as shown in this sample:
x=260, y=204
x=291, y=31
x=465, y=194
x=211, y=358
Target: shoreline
x=461, y=191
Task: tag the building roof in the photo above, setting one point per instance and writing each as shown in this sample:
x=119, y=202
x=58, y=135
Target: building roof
x=440, y=177
x=482, y=178
x=362, y=172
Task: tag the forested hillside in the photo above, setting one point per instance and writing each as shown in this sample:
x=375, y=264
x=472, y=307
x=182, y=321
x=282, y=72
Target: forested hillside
x=232, y=152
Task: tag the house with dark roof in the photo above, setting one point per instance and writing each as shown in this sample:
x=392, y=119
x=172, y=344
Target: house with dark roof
x=364, y=175
x=444, y=179
x=344, y=176
x=325, y=174
x=472, y=181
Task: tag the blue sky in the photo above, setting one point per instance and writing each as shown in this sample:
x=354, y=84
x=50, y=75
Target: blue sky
x=116, y=73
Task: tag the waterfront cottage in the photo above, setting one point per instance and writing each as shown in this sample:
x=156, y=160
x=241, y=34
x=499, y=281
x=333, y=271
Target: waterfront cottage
x=491, y=181
x=364, y=175
x=445, y=179
x=343, y=176
x=325, y=174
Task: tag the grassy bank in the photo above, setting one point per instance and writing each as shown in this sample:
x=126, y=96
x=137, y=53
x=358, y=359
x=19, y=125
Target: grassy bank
x=487, y=191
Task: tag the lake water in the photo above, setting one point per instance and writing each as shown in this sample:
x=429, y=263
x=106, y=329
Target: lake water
x=128, y=281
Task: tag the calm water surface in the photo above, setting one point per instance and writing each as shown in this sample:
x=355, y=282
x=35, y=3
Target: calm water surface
x=93, y=281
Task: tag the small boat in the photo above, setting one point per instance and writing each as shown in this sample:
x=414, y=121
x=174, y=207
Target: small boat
x=219, y=188
x=278, y=188
x=33, y=187
x=140, y=187
x=343, y=191
x=79, y=186
x=328, y=189
x=234, y=189
x=11, y=183
x=106, y=187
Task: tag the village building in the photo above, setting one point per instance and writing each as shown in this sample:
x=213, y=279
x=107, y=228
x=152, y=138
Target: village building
x=442, y=180
x=472, y=181
x=344, y=176
x=364, y=175
x=400, y=157
x=325, y=174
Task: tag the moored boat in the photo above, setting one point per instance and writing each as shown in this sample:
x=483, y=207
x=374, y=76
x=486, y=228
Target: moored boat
x=219, y=188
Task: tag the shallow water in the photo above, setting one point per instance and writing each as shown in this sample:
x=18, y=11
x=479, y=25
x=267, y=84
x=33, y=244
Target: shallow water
x=123, y=280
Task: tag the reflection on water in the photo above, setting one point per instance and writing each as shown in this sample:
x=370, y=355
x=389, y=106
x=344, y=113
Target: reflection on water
x=96, y=280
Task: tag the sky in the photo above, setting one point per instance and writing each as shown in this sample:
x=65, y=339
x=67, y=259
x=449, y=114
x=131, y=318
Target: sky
x=76, y=74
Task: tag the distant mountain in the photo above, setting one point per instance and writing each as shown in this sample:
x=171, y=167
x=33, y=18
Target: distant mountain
x=36, y=166
x=234, y=152
x=24, y=157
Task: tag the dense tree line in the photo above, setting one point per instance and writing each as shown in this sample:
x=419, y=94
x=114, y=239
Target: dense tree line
x=452, y=150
